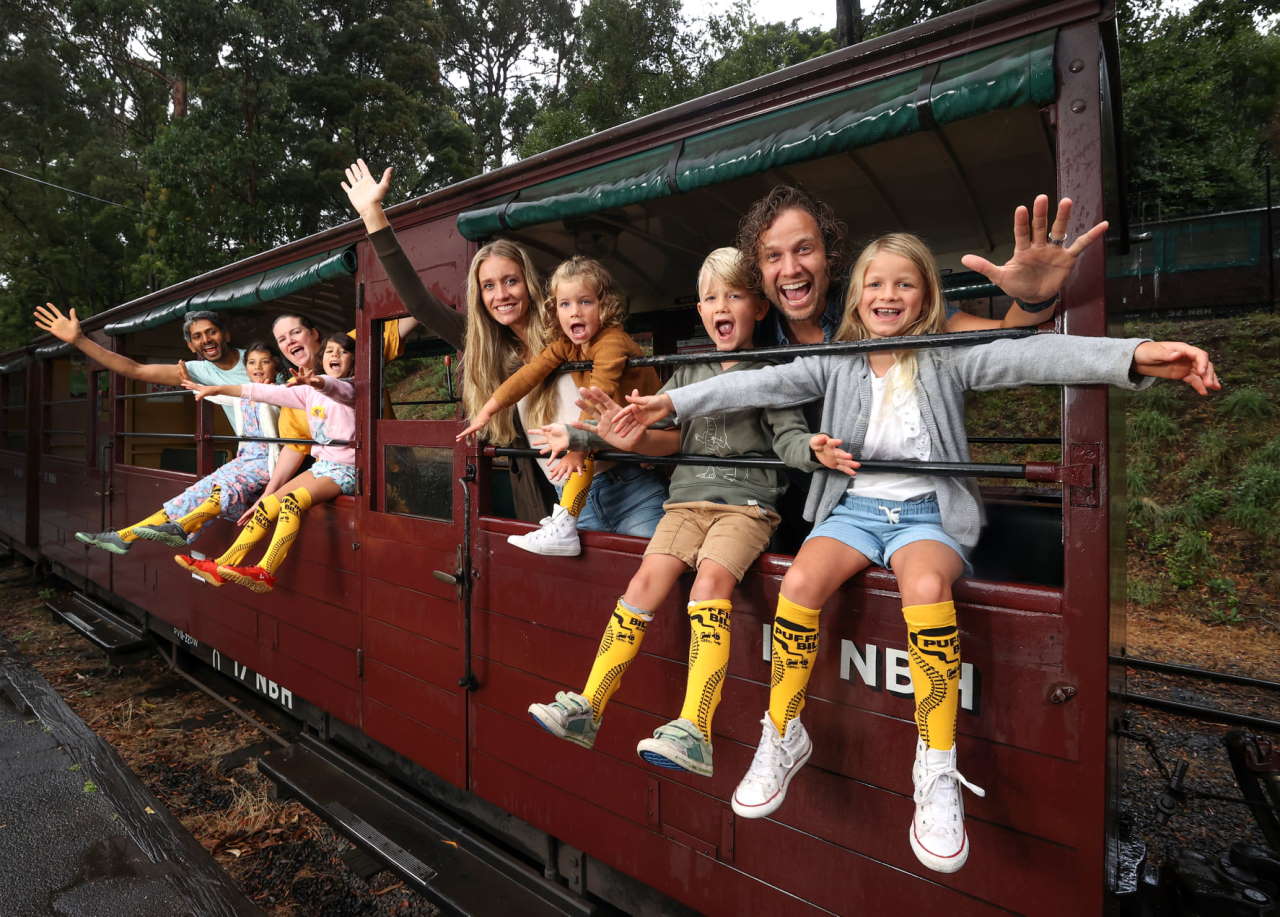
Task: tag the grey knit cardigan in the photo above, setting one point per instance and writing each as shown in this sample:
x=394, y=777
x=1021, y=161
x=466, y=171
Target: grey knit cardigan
x=944, y=376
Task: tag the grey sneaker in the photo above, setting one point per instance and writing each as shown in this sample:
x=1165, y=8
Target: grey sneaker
x=678, y=745
x=169, y=533
x=108, y=541
x=569, y=717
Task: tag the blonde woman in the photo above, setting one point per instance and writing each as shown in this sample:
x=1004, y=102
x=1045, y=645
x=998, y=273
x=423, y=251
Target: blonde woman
x=498, y=333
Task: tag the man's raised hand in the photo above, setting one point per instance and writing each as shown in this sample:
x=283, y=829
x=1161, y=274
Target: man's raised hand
x=49, y=318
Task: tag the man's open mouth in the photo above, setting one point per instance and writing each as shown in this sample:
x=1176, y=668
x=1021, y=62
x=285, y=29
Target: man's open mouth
x=795, y=292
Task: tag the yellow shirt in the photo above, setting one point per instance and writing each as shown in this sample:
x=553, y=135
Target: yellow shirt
x=293, y=422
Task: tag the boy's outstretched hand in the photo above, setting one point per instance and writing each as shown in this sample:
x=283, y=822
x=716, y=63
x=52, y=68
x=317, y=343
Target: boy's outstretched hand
x=595, y=400
x=642, y=411
x=1176, y=360
x=65, y=328
x=825, y=451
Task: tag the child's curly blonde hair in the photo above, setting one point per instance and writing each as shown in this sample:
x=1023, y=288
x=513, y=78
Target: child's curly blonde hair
x=613, y=309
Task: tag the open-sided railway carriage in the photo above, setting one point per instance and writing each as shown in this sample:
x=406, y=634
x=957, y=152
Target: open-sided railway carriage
x=406, y=629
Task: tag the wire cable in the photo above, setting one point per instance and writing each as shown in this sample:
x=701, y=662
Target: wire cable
x=91, y=197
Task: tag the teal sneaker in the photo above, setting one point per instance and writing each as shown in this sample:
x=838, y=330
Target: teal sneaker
x=569, y=717
x=169, y=533
x=678, y=745
x=108, y=541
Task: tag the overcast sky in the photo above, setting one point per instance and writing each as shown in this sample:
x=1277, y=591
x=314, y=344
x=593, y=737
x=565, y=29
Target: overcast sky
x=820, y=13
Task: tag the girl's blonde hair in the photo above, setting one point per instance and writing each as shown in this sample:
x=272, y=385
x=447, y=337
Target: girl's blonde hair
x=933, y=314
x=493, y=351
x=612, y=307
x=727, y=266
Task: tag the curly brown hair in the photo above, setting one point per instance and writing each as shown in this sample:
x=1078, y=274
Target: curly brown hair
x=763, y=212
x=613, y=308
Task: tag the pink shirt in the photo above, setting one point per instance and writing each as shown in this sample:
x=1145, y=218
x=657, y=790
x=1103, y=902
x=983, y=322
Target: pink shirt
x=330, y=412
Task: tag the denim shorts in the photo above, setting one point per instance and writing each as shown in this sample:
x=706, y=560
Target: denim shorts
x=340, y=473
x=626, y=499
x=878, y=528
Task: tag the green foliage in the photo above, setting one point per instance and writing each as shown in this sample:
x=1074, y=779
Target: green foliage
x=1201, y=505
x=1256, y=499
x=1220, y=61
x=1223, y=605
x=1248, y=403
x=1146, y=592
x=1190, y=556
x=1148, y=427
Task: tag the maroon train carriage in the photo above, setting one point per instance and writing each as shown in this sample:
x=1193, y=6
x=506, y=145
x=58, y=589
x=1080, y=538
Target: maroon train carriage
x=410, y=637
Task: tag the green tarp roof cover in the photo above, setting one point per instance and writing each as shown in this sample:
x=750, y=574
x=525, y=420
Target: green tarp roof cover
x=1004, y=76
x=247, y=291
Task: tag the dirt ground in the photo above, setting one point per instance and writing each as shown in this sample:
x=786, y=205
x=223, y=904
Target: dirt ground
x=198, y=758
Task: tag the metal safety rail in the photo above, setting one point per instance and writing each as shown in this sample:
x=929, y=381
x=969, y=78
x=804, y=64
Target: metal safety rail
x=215, y=437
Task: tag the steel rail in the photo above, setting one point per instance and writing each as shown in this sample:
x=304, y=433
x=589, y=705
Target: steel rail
x=64, y=432
x=61, y=401
x=954, y=469
x=165, y=394
x=1197, y=712
x=835, y=348
x=1190, y=671
x=228, y=438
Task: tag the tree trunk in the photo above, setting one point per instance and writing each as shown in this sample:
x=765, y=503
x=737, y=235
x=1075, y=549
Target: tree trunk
x=849, y=26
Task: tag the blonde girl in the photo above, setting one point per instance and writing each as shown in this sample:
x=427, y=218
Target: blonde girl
x=895, y=406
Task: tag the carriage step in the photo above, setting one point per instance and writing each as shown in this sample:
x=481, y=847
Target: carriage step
x=113, y=633
x=445, y=861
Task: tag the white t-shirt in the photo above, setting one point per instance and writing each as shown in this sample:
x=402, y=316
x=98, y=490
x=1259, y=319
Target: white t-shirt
x=895, y=432
x=567, y=410
x=207, y=373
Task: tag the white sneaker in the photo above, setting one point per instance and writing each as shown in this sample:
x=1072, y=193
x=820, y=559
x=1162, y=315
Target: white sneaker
x=938, y=838
x=777, y=760
x=558, y=536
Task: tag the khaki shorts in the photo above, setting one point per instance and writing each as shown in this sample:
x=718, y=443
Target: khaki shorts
x=732, y=536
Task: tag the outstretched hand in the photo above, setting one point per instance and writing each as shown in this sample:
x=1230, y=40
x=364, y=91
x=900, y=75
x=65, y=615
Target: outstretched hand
x=559, y=468
x=1176, y=360
x=1038, y=267
x=305, y=376
x=613, y=425
x=363, y=191
x=64, y=327
x=825, y=450
x=202, y=391
x=642, y=411
x=552, y=439
x=474, y=427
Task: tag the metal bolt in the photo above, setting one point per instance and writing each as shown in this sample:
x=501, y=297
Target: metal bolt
x=1076, y=65
x=1060, y=694
x=355, y=546
x=1077, y=106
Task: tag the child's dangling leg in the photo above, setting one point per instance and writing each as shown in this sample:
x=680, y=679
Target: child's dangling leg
x=576, y=717
x=289, y=520
x=119, y=542
x=559, y=533
x=264, y=514
x=784, y=745
x=685, y=743
x=933, y=652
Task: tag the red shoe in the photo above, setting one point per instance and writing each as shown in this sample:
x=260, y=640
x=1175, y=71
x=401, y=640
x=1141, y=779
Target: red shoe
x=206, y=570
x=254, y=578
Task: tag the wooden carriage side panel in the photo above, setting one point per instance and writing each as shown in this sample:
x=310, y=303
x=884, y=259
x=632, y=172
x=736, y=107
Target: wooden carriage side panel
x=13, y=495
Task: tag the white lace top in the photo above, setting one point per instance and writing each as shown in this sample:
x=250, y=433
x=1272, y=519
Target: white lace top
x=566, y=410
x=894, y=432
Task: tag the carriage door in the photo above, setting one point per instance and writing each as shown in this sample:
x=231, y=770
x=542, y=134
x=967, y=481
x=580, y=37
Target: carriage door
x=414, y=514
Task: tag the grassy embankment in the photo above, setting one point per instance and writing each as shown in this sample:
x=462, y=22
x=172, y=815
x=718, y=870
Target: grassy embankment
x=1203, y=474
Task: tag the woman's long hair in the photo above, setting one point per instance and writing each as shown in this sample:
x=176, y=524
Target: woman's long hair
x=933, y=314
x=493, y=351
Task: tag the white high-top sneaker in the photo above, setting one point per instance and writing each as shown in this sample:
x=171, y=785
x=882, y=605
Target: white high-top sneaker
x=938, y=838
x=777, y=760
x=558, y=536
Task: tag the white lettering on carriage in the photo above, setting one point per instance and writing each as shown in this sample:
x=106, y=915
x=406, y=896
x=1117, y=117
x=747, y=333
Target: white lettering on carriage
x=862, y=665
x=283, y=696
x=240, y=671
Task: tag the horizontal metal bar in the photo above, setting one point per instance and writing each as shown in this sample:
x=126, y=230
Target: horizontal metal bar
x=1197, y=712
x=165, y=394
x=951, y=469
x=155, y=435
x=1019, y=440
x=835, y=348
x=1190, y=671
x=49, y=404
x=224, y=438
x=63, y=432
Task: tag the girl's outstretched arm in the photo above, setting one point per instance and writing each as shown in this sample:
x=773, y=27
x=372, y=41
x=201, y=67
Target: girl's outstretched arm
x=1177, y=360
x=208, y=391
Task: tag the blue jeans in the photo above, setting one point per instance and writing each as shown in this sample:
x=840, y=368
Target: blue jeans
x=626, y=499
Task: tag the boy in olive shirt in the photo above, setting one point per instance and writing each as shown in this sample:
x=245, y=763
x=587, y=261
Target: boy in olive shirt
x=717, y=521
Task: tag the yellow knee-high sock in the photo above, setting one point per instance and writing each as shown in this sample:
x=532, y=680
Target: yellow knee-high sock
x=291, y=509
x=708, y=661
x=618, y=646
x=206, y=511
x=795, y=646
x=933, y=653
x=574, y=495
x=157, y=518
x=264, y=514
